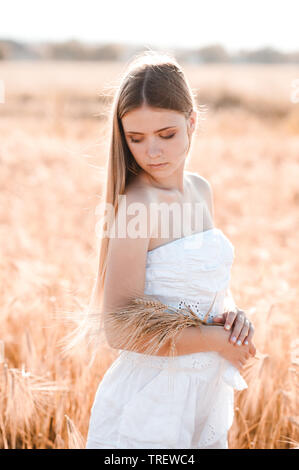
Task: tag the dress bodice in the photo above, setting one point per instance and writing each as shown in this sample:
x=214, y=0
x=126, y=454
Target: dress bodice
x=192, y=270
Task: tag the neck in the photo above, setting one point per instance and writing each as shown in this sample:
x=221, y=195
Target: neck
x=175, y=182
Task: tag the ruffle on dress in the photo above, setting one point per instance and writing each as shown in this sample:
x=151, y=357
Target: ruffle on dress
x=150, y=402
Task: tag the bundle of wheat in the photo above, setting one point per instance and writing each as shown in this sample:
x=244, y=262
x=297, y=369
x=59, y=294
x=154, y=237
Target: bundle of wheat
x=148, y=317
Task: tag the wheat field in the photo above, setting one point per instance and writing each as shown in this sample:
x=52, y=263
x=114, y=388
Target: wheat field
x=53, y=130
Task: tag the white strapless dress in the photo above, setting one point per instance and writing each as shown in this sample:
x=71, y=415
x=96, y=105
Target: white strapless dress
x=134, y=406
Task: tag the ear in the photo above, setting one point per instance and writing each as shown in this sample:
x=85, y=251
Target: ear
x=192, y=121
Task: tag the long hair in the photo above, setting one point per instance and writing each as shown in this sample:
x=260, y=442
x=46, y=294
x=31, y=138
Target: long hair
x=154, y=79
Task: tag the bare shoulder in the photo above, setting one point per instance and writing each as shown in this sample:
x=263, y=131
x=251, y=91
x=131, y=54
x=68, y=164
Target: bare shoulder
x=139, y=193
x=204, y=190
x=199, y=181
x=135, y=205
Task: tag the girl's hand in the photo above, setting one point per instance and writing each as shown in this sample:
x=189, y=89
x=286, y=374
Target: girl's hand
x=242, y=331
x=237, y=356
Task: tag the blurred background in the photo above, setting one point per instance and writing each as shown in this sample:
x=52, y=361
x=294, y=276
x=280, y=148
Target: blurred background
x=60, y=64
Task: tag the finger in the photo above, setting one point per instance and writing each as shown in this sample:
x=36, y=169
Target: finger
x=244, y=332
x=250, y=334
x=219, y=318
x=252, y=349
x=238, y=325
x=248, y=340
x=230, y=320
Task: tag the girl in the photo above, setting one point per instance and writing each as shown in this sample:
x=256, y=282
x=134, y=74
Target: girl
x=153, y=119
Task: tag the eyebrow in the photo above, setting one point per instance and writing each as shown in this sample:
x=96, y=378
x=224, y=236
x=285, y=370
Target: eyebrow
x=159, y=130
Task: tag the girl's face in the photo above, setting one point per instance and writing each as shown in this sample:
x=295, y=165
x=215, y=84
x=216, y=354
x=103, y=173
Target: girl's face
x=156, y=136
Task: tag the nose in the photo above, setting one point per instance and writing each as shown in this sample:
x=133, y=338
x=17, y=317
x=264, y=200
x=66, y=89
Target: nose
x=153, y=150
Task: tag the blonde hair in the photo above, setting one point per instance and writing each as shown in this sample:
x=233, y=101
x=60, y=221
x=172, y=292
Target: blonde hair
x=154, y=79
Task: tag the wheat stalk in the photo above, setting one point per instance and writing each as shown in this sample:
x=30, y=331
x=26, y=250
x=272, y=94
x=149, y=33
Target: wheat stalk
x=147, y=316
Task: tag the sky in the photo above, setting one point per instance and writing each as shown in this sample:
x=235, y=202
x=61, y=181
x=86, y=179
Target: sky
x=235, y=24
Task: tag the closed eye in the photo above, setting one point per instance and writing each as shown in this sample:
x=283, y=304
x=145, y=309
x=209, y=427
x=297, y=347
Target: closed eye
x=137, y=141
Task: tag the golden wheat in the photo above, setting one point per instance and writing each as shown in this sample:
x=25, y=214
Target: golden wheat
x=53, y=149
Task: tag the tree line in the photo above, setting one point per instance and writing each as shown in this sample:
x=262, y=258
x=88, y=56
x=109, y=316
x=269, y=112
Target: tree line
x=75, y=50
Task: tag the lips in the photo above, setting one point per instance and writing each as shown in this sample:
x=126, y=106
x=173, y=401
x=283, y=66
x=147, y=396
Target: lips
x=158, y=164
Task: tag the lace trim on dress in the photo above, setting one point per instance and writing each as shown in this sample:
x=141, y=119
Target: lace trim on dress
x=195, y=306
